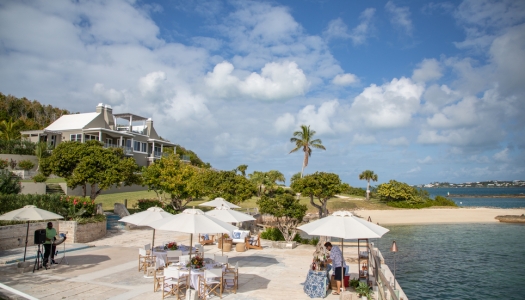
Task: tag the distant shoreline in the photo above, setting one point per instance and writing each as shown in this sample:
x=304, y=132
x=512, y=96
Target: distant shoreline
x=485, y=196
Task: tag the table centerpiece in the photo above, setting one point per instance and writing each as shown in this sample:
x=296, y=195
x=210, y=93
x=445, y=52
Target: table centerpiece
x=171, y=246
x=196, y=262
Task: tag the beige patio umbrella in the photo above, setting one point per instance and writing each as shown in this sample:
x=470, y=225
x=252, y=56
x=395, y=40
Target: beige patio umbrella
x=143, y=218
x=228, y=215
x=344, y=225
x=219, y=202
x=29, y=213
x=192, y=221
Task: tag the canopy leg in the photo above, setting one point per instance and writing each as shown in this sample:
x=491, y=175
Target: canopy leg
x=342, y=266
x=153, y=241
x=27, y=233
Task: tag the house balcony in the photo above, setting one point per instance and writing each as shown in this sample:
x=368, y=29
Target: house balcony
x=125, y=149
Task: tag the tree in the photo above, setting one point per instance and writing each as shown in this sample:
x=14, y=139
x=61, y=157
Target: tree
x=258, y=178
x=242, y=169
x=83, y=164
x=368, y=175
x=180, y=181
x=41, y=152
x=320, y=185
x=9, y=130
x=287, y=211
x=303, y=139
x=295, y=177
x=266, y=181
x=9, y=183
x=228, y=185
x=400, y=191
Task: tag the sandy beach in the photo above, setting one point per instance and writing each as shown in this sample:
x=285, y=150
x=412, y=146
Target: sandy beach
x=437, y=215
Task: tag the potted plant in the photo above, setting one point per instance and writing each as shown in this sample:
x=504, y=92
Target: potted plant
x=364, y=291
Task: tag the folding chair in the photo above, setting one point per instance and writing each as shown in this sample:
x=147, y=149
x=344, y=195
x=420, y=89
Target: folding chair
x=147, y=247
x=223, y=259
x=210, y=282
x=184, y=259
x=230, y=278
x=145, y=260
x=209, y=257
x=173, y=256
x=173, y=283
x=254, y=243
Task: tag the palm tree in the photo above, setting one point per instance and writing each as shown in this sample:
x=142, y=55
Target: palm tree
x=304, y=139
x=368, y=175
x=242, y=169
x=9, y=131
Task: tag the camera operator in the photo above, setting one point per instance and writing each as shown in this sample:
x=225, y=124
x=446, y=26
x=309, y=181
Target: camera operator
x=49, y=247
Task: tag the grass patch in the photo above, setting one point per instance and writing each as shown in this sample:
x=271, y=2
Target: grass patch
x=49, y=180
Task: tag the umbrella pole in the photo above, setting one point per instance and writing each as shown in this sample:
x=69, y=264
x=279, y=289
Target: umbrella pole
x=189, y=272
x=27, y=233
x=222, y=248
x=153, y=241
x=342, y=266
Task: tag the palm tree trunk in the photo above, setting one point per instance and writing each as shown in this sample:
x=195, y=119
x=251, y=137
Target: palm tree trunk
x=368, y=190
x=302, y=170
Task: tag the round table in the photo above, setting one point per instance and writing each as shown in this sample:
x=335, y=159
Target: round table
x=161, y=257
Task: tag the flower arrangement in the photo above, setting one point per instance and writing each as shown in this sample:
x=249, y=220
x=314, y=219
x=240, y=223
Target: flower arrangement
x=171, y=246
x=225, y=236
x=196, y=261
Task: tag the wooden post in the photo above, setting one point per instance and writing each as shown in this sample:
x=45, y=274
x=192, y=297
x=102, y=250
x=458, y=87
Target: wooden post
x=126, y=203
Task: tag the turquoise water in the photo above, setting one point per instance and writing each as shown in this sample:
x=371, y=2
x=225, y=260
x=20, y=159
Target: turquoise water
x=467, y=261
x=472, y=200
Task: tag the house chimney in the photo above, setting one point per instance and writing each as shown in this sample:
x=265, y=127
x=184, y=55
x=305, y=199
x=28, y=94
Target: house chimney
x=149, y=126
x=100, y=108
x=108, y=117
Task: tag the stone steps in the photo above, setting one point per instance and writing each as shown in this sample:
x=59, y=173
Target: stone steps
x=53, y=188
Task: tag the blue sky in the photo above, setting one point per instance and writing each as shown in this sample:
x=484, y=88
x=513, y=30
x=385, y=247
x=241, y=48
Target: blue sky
x=416, y=91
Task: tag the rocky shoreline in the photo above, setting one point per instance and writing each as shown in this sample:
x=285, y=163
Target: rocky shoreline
x=511, y=219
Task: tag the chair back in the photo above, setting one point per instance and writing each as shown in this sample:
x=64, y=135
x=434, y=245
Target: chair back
x=223, y=259
x=142, y=252
x=213, y=273
x=147, y=247
x=184, y=259
x=171, y=273
x=209, y=255
x=199, y=248
x=174, y=253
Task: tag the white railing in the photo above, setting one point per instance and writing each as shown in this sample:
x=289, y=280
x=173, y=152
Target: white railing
x=385, y=287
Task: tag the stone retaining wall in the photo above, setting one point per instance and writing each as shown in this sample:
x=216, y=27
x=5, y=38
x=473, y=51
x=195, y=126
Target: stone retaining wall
x=83, y=233
x=38, y=188
x=113, y=190
x=14, y=236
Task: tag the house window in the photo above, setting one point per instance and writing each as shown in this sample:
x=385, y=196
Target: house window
x=139, y=146
x=109, y=141
x=91, y=137
x=128, y=143
x=144, y=147
x=75, y=137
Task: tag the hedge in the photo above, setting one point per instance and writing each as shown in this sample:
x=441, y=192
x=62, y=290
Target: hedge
x=17, y=147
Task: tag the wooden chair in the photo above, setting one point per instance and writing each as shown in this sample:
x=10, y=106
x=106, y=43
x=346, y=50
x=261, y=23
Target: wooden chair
x=210, y=241
x=184, y=259
x=158, y=278
x=145, y=260
x=254, y=243
x=148, y=248
x=173, y=256
x=230, y=277
x=210, y=282
x=173, y=283
x=223, y=259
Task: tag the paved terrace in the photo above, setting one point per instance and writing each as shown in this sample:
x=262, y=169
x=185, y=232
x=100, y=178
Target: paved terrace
x=108, y=270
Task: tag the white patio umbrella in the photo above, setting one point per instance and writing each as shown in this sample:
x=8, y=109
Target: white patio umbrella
x=143, y=218
x=227, y=215
x=29, y=213
x=192, y=221
x=219, y=202
x=344, y=225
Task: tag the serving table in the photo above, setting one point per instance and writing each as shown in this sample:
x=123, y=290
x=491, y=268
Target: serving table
x=317, y=283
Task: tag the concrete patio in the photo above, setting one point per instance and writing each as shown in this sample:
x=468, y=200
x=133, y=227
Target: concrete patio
x=108, y=270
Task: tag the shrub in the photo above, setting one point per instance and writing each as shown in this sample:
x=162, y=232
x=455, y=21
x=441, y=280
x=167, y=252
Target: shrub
x=39, y=178
x=17, y=147
x=355, y=191
x=3, y=164
x=9, y=183
x=144, y=204
x=272, y=234
x=439, y=201
x=442, y=201
x=26, y=164
x=68, y=207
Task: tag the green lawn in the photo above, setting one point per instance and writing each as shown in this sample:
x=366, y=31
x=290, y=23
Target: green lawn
x=108, y=200
x=49, y=180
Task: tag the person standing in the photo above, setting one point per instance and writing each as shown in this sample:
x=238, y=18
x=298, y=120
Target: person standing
x=49, y=247
x=336, y=258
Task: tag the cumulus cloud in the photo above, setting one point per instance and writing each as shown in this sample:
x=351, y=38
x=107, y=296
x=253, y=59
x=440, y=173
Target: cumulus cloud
x=502, y=156
x=428, y=70
x=338, y=29
x=425, y=160
x=390, y=105
x=111, y=95
x=414, y=170
x=362, y=139
x=345, y=79
x=400, y=17
x=275, y=82
x=322, y=119
x=285, y=123
x=400, y=141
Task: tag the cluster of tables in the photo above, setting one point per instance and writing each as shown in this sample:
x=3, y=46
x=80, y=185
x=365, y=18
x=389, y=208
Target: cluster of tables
x=162, y=255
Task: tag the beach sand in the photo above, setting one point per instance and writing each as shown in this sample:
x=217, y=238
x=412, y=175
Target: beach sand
x=437, y=215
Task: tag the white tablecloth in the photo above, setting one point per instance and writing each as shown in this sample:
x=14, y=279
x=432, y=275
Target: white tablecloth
x=161, y=257
x=194, y=278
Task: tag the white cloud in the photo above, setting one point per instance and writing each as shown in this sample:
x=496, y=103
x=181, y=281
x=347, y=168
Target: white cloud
x=426, y=160
x=362, y=139
x=151, y=83
x=277, y=81
x=400, y=141
x=338, y=29
x=400, y=17
x=502, y=156
x=285, y=123
x=345, y=79
x=428, y=70
x=111, y=95
x=414, y=170
x=320, y=119
x=390, y=105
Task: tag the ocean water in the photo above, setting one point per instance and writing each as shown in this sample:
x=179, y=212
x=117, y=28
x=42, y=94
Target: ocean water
x=465, y=261
x=472, y=200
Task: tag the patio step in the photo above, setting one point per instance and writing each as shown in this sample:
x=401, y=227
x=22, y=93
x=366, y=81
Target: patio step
x=53, y=188
x=112, y=222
